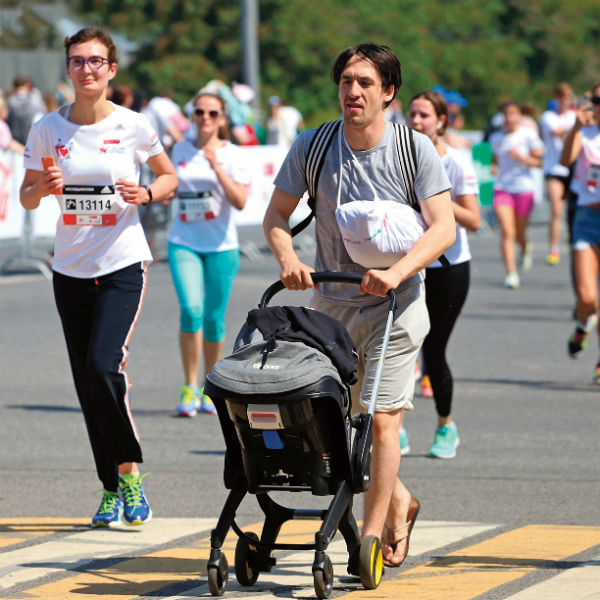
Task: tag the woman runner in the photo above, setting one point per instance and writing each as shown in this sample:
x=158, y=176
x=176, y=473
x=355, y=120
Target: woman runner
x=88, y=155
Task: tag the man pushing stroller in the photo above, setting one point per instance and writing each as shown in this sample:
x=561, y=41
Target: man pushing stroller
x=372, y=180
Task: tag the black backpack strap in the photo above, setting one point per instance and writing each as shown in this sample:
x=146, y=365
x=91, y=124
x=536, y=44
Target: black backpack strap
x=315, y=158
x=405, y=145
x=407, y=155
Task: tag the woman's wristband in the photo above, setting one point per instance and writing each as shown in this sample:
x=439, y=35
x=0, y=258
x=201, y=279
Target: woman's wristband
x=147, y=188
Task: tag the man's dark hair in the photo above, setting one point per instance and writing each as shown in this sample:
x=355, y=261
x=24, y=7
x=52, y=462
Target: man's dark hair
x=382, y=58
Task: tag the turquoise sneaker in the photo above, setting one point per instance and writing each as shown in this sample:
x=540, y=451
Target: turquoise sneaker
x=189, y=402
x=136, y=509
x=110, y=510
x=446, y=441
x=404, y=443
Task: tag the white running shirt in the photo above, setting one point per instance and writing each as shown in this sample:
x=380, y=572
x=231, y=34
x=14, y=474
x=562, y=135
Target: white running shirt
x=97, y=232
x=553, y=144
x=587, y=170
x=514, y=176
x=462, y=176
x=205, y=218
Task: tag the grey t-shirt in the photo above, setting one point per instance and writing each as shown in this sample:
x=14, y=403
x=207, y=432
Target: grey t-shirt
x=382, y=166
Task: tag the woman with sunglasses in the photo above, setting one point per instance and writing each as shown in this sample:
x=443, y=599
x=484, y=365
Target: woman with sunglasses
x=88, y=155
x=204, y=254
x=445, y=287
x=582, y=144
x=516, y=150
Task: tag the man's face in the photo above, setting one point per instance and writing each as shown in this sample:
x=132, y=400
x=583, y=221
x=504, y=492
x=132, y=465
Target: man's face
x=361, y=93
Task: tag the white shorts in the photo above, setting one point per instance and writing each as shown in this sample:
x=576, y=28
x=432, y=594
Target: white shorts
x=366, y=326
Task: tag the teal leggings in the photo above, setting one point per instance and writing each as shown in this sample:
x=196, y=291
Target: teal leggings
x=203, y=283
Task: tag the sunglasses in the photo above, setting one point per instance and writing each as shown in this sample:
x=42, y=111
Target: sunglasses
x=213, y=114
x=595, y=100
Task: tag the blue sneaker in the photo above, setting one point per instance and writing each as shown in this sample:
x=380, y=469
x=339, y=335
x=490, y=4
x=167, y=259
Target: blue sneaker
x=404, y=443
x=136, y=509
x=189, y=402
x=446, y=441
x=110, y=510
x=207, y=406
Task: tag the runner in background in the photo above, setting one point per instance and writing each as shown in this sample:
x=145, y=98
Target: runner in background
x=582, y=144
x=88, y=154
x=554, y=126
x=517, y=149
x=283, y=124
x=445, y=287
x=204, y=253
x=7, y=142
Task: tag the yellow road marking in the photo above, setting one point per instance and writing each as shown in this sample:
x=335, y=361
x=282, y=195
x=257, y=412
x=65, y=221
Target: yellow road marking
x=17, y=530
x=73, y=552
x=474, y=570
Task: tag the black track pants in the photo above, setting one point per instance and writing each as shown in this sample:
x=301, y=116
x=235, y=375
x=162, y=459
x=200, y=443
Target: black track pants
x=445, y=293
x=98, y=318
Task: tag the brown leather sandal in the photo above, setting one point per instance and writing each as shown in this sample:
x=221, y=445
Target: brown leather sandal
x=392, y=537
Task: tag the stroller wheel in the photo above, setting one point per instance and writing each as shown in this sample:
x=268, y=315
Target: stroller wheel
x=323, y=578
x=218, y=576
x=246, y=568
x=370, y=562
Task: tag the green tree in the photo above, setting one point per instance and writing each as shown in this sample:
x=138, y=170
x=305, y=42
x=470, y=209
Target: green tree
x=486, y=50
x=181, y=44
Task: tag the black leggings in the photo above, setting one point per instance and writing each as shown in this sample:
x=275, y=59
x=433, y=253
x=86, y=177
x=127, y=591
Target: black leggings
x=98, y=317
x=445, y=293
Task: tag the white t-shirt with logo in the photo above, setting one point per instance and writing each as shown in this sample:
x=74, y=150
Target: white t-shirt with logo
x=462, y=176
x=205, y=219
x=588, y=167
x=97, y=232
x=553, y=144
x=514, y=176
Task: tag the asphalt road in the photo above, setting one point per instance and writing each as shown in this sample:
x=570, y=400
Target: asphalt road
x=527, y=414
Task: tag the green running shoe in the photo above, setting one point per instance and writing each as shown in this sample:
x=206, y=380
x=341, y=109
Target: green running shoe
x=110, y=510
x=136, y=509
x=577, y=342
x=446, y=441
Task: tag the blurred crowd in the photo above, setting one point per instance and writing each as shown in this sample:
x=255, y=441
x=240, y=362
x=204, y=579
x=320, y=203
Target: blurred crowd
x=24, y=103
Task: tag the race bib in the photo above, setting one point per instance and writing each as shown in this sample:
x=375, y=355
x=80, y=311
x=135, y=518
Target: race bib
x=195, y=207
x=593, y=179
x=89, y=205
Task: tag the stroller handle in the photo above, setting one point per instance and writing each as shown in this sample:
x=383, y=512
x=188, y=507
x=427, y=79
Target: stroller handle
x=323, y=276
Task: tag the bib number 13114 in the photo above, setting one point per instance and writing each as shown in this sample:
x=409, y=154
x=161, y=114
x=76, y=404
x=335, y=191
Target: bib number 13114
x=89, y=205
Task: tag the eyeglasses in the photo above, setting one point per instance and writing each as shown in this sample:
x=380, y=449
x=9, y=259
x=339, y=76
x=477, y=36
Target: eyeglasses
x=213, y=114
x=96, y=62
x=595, y=100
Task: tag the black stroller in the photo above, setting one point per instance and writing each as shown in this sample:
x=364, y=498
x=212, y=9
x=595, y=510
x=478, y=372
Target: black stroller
x=284, y=403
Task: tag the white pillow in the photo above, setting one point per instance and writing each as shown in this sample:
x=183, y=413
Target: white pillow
x=377, y=233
